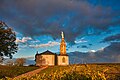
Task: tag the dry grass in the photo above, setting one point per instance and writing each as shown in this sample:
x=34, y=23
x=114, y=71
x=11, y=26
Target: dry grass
x=12, y=71
x=79, y=72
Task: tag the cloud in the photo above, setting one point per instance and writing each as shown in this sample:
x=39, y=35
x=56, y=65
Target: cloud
x=84, y=46
x=49, y=44
x=35, y=41
x=113, y=48
x=23, y=40
x=90, y=44
x=92, y=51
x=112, y=38
x=50, y=17
x=110, y=52
x=80, y=41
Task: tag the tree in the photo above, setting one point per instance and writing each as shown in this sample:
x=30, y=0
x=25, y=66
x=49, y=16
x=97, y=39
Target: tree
x=20, y=61
x=10, y=62
x=8, y=46
x=1, y=59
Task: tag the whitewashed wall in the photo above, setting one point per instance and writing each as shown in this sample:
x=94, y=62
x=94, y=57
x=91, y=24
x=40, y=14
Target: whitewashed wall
x=45, y=60
x=60, y=62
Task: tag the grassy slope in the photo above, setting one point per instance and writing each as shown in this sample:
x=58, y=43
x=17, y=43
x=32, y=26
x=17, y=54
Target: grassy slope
x=72, y=72
x=110, y=68
x=94, y=71
x=12, y=71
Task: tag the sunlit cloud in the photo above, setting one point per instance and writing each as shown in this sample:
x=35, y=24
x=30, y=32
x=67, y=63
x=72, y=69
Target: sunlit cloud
x=82, y=40
x=23, y=40
x=93, y=51
x=35, y=41
x=49, y=44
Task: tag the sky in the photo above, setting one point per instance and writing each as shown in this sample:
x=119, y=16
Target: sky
x=88, y=25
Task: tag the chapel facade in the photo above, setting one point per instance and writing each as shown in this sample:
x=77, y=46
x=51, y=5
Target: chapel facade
x=49, y=58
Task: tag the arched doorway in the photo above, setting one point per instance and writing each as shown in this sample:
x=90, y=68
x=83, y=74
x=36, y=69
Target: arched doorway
x=63, y=60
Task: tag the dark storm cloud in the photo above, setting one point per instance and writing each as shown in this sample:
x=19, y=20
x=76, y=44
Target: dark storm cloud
x=78, y=46
x=50, y=17
x=84, y=46
x=112, y=38
x=114, y=48
x=90, y=44
x=109, y=54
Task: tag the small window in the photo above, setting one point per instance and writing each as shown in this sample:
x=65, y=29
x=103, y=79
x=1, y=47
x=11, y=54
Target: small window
x=63, y=60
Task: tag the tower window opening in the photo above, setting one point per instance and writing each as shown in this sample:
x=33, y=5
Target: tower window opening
x=63, y=60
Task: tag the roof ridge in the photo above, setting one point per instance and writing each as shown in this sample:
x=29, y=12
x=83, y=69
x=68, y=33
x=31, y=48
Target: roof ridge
x=47, y=53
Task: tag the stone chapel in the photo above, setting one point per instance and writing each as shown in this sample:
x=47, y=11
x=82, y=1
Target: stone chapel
x=49, y=58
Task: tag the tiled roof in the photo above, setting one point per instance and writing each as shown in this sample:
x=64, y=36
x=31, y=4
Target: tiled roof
x=47, y=53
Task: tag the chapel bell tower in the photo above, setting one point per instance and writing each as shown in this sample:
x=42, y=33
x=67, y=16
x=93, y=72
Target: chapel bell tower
x=62, y=45
x=63, y=58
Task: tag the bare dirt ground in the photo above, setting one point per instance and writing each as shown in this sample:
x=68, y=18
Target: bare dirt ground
x=31, y=73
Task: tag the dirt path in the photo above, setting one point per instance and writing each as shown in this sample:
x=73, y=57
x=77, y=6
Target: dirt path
x=31, y=73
